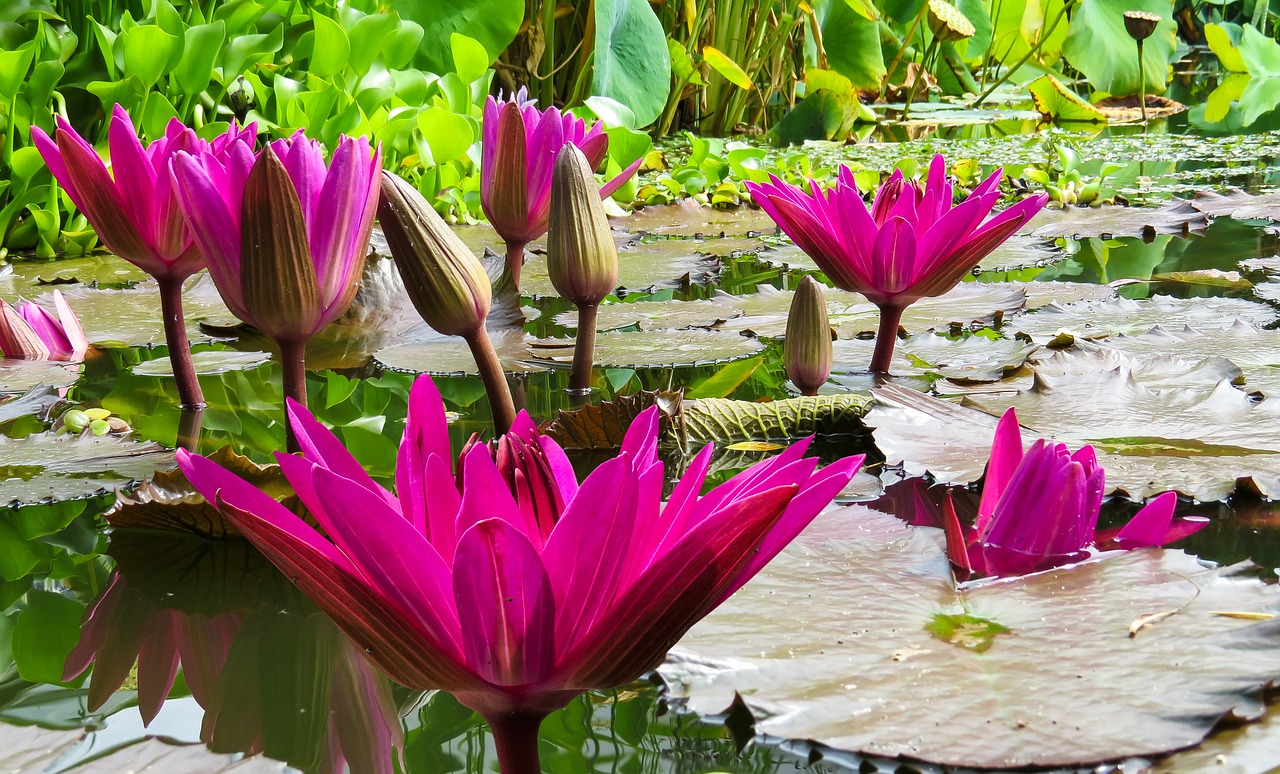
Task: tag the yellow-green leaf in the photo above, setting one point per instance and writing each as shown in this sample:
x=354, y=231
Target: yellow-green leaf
x=1059, y=103
x=726, y=67
x=864, y=9
x=1220, y=44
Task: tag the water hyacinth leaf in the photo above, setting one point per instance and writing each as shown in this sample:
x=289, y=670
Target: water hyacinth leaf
x=48, y=466
x=1177, y=217
x=1100, y=319
x=655, y=348
x=631, y=61
x=853, y=664
x=209, y=362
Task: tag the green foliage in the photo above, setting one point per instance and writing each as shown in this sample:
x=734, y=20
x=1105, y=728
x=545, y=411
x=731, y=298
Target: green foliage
x=631, y=63
x=1098, y=25
x=490, y=23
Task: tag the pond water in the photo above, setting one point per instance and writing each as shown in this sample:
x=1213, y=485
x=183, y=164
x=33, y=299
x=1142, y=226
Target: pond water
x=704, y=296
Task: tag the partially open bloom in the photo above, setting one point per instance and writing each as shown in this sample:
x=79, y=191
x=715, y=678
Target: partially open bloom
x=519, y=151
x=29, y=331
x=508, y=582
x=1039, y=509
x=911, y=244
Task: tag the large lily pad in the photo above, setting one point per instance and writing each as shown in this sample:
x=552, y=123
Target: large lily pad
x=1099, y=319
x=31, y=278
x=1178, y=217
x=643, y=265
x=1195, y=441
x=35, y=401
x=450, y=355
x=691, y=219
x=851, y=314
x=973, y=358
x=49, y=466
x=1254, y=350
x=133, y=316
x=208, y=363
x=655, y=348
x=1238, y=205
x=649, y=315
x=878, y=651
x=22, y=375
x=1041, y=294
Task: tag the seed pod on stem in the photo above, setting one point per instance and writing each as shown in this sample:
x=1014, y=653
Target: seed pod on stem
x=581, y=256
x=807, y=352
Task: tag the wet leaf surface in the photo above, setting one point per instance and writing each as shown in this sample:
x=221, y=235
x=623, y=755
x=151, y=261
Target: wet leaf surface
x=22, y=375
x=133, y=316
x=693, y=220
x=31, y=278
x=1041, y=294
x=647, y=265
x=50, y=467
x=1238, y=204
x=1177, y=217
x=209, y=362
x=853, y=663
x=1254, y=350
x=1099, y=319
x=34, y=402
x=651, y=315
x=654, y=348
x=446, y=355
x=30, y=749
x=973, y=358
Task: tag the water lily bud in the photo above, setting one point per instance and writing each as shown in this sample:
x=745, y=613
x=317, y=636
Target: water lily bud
x=807, y=350
x=444, y=279
x=581, y=256
x=947, y=22
x=1140, y=25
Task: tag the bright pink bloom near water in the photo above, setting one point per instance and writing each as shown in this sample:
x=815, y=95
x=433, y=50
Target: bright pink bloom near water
x=508, y=582
x=1039, y=510
x=911, y=244
x=518, y=154
x=29, y=331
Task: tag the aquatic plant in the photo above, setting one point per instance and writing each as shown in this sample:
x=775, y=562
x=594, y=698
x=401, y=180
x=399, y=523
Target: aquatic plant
x=807, y=353
x=1039, y=509
x=506, y=581
x=134, y=208
x=911, y=244
x=519, y=152
x=581, y=256
x=28, y=331
x=446, y=283
x=285, y=237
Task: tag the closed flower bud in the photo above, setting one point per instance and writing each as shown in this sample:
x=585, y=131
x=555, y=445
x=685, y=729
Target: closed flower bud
x=581, y=256
x=807, y=350
x=1140, y=25
x=445, y=281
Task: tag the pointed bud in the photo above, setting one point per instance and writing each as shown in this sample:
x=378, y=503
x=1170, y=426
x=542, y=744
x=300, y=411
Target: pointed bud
x=1140, y=24
x=581, y=256
x=277, y=275
x=17, y=338
x=807, y=350
x=444, y=279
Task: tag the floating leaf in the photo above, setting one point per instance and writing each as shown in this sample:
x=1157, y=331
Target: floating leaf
x=48, y=466
x=1177, y=217
x=1254, y=350
x=655, y=348
x=602, y=426
x=1238, y=205
x=650, y=315
x=208, y=362
x=692, y=219
x=133, y=316
x=35, y=401
x=1058, y=103
x=856, y=662
x=972, y=358
x=1099, y=319
x=1041, y=294
x=30, y=278
x=22, y=375
x=722, y=421
x=451, y=356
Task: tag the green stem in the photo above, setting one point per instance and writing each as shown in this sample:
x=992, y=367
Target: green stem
x=175, y=336
x=1008, y=73
x=1142, y=83
x=189, y=423
x=584, y=349
x=886, y=337
x=921, y=76
x=906, y=41
x=495, y=381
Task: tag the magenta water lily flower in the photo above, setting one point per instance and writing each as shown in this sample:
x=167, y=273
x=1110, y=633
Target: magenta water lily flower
x=506, y=581
x=518, y=154
x=1039, y=510
x=134, y=209
x=912, y=242
x=285, y=235
x=29, y=331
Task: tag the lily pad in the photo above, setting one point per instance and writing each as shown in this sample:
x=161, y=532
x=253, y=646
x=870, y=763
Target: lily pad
x=1238, y=205
x=693, y=220
x=1256, y=351
x=22, y=375
x=645, y=265
x=655, y=348
x=30, y=278
x=860, y=661
x=1041, y=294
x=133, y=316
x=648, y=315
x=1178, y=217
x=1099, y=319
x=36, y=401
x=209, y=362
x=450, y=355
x=1087, y=361
x=50, y=467
x=973, y=358
x=851, y=314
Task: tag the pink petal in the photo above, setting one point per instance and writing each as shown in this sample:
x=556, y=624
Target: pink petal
x=323, y=448
x=1151, y=525
x=1006, y=453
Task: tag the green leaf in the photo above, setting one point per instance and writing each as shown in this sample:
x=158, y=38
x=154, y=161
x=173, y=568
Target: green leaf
x=126, y=92
x=367, y=36
x=1059, y=103
x=148, y=52
x=44, y=635
x=13, y=70
x=493, y=23
x=864, y=9
x=330, y=47
x=725, y=380
x=245, y=51
x=470, y=60
x=851, y=42
x=203, y=44
x=730, y=69
x=1221, y=43
x=1259, y=54
x=1098, y=25
x=823, y=115
x=632, y=63
x=448, y=134
x=1010, y=42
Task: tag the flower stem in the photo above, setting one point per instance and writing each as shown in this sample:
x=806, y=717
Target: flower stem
x=293, y=367
x=515, y=260
x=189, y=424
x=175, y=336
x=1142, y=83
x=495, y=381
x=516, y=737
x=584, y=349
x=886, y=337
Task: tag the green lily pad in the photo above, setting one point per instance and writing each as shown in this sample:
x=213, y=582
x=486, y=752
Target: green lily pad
x=48, y=466
x=1099, y=319
x=1178, y=217
x=649, y=315
x=973, y=358
x=133, y=316
x=642, y=265
x=31, y=278
x=655, y=348
x=855, y=662
x=450, y=355
x=22, y=375
x=209, y=362
x=694, y=220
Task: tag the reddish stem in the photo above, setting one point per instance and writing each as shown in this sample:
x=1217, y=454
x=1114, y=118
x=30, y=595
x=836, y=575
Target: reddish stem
x=293, y=367
x=515, y=261
x=494, y=379
x=886, y=337
x=515, y=734
x=584, y=349
x=175, y=336
x=189, y=424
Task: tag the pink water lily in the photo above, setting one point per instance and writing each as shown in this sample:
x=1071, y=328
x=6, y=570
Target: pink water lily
x=506, y=581
x=133, y=207
x=519, y=150
x=1039, y=509
x=284, y=235
x=29, y=331
x=912, y=242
